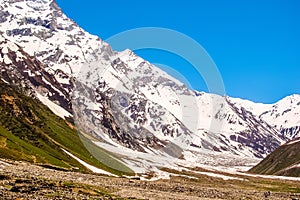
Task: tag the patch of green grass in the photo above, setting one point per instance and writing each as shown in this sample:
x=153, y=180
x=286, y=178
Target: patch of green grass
x=107, y=158
x=249, y=183
x=29, y=131
x=18, y=149
x=91, y=190
x=279, y=161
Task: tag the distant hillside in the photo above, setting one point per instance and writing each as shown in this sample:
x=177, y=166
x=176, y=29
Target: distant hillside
x=29, y=131
x=284, y=161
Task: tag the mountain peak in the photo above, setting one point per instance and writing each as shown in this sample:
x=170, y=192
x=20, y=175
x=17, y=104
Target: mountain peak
x=294, y=96
x=26, y=6
x=291, y=99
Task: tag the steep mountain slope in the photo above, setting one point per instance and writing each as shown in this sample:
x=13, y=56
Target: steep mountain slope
x=30, y=131
x=283, y=161
x=283, y=115
x=127, y=105
x=43, y=31
x=23, y=70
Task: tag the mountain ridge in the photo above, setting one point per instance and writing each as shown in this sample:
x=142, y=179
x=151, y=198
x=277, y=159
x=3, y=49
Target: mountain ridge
x=126, y=102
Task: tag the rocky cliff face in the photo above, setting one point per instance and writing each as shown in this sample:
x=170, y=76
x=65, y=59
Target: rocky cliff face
x=19, y=68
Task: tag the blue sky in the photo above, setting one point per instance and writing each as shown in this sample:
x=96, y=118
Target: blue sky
x=254, y=43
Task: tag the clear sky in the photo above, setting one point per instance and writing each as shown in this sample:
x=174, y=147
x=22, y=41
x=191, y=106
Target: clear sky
x=254, y=43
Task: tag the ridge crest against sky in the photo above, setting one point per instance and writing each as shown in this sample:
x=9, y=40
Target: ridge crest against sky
x=255, y=44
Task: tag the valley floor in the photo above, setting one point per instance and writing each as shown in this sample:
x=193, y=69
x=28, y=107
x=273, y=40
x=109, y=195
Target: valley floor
x=20, y=180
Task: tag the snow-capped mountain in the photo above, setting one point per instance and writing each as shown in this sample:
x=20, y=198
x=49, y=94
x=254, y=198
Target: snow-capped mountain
x=42, y=31
x=129, y=106
x=283, y=115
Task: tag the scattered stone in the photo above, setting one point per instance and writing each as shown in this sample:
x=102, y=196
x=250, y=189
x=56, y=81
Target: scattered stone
x=267, y=194
x=21, y=180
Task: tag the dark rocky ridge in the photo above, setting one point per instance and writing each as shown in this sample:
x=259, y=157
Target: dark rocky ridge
x=284, y=161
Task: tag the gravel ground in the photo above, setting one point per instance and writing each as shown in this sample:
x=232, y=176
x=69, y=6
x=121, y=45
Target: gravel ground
x=20, y=180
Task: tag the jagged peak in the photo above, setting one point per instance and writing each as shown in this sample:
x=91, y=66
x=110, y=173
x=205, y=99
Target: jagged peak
x=37, y=5
x=41, y=1
x=127, y=52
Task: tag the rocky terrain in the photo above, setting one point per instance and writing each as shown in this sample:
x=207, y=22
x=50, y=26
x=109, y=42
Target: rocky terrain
x=21, y=180
x=123, y=100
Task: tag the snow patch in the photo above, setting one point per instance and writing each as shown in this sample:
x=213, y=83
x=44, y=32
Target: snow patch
x=7, y=60
x=56, y=109
x=224, y=177
x=4, y=81
x=90, y=167
x=293, y=141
